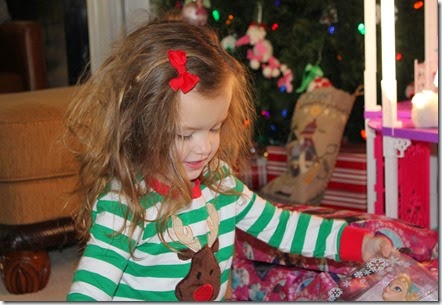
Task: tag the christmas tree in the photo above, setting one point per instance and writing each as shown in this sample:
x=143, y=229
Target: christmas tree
x=307, y=38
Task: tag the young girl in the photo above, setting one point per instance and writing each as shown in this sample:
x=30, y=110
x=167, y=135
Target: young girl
x=159, y=130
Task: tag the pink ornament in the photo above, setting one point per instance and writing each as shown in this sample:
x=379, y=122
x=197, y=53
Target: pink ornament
x=195, y=13
x=272, y=68
x=285, y=81
x=254, y=34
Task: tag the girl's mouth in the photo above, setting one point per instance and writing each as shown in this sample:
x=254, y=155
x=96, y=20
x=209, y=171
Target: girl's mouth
x=195, y=165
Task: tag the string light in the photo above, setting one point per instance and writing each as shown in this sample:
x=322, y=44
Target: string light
x=265, y=114
x=277, y=3
x=215, y=15
x=398, y=56
x=331, y=29
x=418, y=4
x=275, y=26
x=229, y=19
x=364, y=134
x=361, y=28
x=284, y=113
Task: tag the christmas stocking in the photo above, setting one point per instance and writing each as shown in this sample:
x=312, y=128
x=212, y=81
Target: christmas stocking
x=317, y=128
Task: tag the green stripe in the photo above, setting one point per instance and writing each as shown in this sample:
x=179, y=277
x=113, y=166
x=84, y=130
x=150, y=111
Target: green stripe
x=100, y=282
x=225, y=276
x=151, y=199
x=125, y=291
x=75, y=296
x=244, y=212
x=224, y=200
x=105, y=234
x=226, y=225
x=300, y=233
x=106, y=255
x=263, y=220
x=113, y=207
x=324, y=231
x=224, y=253
x=159, y=271
x=277, y=236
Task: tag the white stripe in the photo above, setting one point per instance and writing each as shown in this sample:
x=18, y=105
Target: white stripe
x=227, y=211
x=331, y=241
x=115, y=223
x=252, y=215
x=348, y=181
x=222, y=291
x=349, y=176
x=112, y=196
x=358, y=195
x=104, y=245
x=361, y=172
x=93, y=265
x=268, y=231
x=147, y=260
x=89, y=290
x=150, y=283
x=312, y=236
x=122, y=299
x=287, y=239
x=227, y=239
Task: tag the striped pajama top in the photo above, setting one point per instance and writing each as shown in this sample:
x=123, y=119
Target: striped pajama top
x=106, y=270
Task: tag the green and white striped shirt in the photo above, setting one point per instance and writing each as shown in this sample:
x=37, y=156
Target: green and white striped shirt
x=106, y=270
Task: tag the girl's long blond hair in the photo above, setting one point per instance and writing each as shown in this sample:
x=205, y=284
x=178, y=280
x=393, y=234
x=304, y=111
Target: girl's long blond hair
x=122, y=123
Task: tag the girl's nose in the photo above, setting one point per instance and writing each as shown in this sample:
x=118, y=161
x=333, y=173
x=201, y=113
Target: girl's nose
x=204, y=145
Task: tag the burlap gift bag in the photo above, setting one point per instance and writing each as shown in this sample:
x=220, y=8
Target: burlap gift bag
x=317, y=128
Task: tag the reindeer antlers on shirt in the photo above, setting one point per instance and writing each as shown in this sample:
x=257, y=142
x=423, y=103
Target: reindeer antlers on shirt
x=185, y=234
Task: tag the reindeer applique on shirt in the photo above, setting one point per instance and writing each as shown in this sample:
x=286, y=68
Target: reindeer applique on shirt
x=203, y=281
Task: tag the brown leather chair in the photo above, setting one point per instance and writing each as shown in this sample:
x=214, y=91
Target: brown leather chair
x=22, y=57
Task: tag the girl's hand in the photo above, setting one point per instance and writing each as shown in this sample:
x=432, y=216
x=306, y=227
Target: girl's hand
x=372, y=245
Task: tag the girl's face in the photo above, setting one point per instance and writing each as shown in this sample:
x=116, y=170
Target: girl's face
x=396, y=290
x=200, y=120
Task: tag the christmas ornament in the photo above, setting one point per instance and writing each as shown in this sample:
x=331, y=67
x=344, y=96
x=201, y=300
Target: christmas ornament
x=260, y=55
x=310, y=72
x=195, y=13
x=285, y=82
x=272, y=68
x=229, y=42
x=319, y=82
x=329, y=15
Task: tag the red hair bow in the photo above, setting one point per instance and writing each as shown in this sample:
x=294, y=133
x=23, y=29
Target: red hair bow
x=185, y=80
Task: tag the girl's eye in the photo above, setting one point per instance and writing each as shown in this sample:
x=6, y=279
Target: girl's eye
x=184, y=138
x=215, y=130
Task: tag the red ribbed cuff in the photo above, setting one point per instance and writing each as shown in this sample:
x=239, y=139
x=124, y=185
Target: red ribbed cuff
x=351, y=244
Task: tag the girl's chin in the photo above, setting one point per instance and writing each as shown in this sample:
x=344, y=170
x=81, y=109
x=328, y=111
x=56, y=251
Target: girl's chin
x=194, y=174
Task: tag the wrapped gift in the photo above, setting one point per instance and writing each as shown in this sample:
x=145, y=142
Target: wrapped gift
x=263, y=273
x=256, y=177
x=347, y=188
